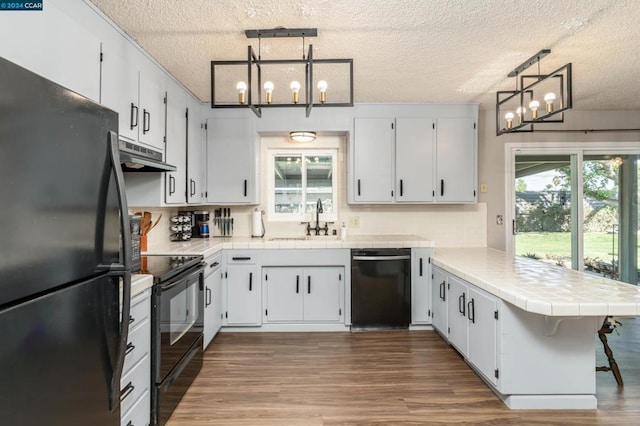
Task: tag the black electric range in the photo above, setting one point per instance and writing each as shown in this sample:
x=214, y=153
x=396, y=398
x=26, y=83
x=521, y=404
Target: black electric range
x=177, y=321
x=164, y=268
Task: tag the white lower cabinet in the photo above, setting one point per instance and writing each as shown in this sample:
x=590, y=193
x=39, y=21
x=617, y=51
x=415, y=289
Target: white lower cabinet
x=420, y=285
x=212, y=298
x=482, y=313
x=471, y=321
x=439, y=301
x=243, y=290
x=310, y=294
x=136, y=374
x=457, y=329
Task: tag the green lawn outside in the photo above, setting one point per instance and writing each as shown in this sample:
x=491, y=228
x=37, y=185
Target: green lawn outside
x=597, y=244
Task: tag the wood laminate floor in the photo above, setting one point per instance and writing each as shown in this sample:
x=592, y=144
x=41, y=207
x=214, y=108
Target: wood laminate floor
x=390, y=378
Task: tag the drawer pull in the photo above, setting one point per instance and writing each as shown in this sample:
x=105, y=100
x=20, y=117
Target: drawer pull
x=130, y=348
x=240, y=258
x=124, y=393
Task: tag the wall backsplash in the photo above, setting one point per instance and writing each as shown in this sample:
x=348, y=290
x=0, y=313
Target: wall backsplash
x=448, y=226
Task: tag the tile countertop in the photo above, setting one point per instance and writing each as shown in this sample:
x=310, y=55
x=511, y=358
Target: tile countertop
x=538, y=287
x=210, y=246
x=140, y=282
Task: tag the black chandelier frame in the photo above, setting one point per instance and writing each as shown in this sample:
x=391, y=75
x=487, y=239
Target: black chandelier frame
x=255, y=61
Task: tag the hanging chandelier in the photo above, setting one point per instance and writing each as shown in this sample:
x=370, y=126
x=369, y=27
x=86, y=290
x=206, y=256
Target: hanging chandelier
x=267, y=83
x=538, y=98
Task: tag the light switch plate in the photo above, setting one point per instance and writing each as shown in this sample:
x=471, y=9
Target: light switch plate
x=483, y=187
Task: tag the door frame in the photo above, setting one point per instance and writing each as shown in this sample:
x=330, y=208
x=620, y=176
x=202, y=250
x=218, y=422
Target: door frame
x=512, y=149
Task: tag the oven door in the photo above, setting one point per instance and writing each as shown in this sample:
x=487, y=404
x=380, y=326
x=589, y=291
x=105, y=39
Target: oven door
x=177, y=319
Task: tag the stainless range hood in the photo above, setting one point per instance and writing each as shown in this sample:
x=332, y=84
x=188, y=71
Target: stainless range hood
x=136, y=158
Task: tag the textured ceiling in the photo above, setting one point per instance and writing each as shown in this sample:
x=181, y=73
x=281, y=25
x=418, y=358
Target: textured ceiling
x=404, y=51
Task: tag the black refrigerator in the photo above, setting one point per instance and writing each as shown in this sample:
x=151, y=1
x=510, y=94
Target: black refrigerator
x=63, y=256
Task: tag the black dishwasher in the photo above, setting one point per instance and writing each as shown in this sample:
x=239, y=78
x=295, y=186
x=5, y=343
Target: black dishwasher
x=380, y=288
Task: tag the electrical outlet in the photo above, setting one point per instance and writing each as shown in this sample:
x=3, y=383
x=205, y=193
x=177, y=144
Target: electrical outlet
x=483, y=187
x=354, y=222
x=499, y=219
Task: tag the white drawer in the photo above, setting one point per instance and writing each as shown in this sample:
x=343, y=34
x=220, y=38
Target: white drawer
x=134, y=383
x=241, y=257
x=139, y=414
x=140, y=310
x=138, y=344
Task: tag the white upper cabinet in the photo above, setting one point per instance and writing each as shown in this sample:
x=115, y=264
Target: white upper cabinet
x=456, y=165
x=134, y=88
x=120, y=83
x=196, y=154
x=414, y=160
x=231, y=161
x=176, y=152
x=151, y=129
x=373, y=160
x=52, y=44
x=417, y=154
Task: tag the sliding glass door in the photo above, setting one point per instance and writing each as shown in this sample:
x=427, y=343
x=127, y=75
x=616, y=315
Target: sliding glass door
x=578, y=209
x=545, y=225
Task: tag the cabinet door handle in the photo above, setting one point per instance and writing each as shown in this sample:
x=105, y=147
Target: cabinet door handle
x=134, y=108
x=250, y=281
x=309, y=284
x=358, y=186
x=420, y=266
x=245, y=187
x=146, y=121
x=462, y=304
x=471, y=308
x=124, y=393
x=192, y=187
x=131, y=319
x=401, y=188
x=172, y=185
x=208, y=298
x=130, y=348
x=442, y=294
x=297, y=284
x=441, y=187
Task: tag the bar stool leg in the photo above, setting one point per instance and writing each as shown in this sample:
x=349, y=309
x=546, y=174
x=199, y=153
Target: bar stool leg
x=613, y=365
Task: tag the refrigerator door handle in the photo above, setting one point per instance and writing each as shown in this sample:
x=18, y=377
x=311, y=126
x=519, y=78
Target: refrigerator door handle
x=114, y=153
x=114, y=385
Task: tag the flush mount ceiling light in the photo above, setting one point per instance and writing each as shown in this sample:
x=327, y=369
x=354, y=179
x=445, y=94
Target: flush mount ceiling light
x=537, y=98
x=256, y=77
x=303, y=137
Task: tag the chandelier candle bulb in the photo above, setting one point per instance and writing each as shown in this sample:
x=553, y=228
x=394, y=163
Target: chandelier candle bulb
x=520, y=111
x=242, y=90
x=549, y=98
x=322, y=87
x=268, y=88
x=533, y=106
x=295, y=89
x=509, y=117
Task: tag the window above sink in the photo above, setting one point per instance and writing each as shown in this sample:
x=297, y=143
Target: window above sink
x=297, y=180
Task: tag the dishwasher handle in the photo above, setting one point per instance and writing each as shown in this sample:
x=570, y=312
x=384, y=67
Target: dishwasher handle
x=378, y=258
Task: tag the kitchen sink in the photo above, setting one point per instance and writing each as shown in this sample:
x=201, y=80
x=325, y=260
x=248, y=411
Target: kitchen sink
x=307, y=238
